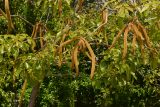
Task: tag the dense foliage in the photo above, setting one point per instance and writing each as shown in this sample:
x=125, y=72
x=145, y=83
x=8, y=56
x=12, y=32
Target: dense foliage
x=79, y=53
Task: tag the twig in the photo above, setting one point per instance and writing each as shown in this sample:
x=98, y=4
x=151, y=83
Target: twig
x=23, y=19
x=1, y=11
x=99, y=27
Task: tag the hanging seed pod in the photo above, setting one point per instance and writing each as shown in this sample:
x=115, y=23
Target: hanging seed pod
x=117, y=37
x=104, y=21
x=33, y=32
x=81, y=45
x=92, y=56
x=104, y=16
x=76, y=63
x=41, y=37
x=125, y=44
x=144, y=32
x=34, y=35
x=72, y=60
x=60, y=49
x=68, y=41
x=136, y=31
x=141, y=47
x=134, y=44
x=10, y=24
x=60, y=7
x=36, y=30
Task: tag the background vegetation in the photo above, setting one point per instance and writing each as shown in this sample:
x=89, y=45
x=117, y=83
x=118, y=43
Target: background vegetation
x=79, y=53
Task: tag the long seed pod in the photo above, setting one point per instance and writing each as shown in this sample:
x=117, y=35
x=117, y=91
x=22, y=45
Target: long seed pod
x=117, y=37
x=81, y=45
x=60, y=49
x=22, y=92
x=72, y=59
x=142, y=50
x=34, y=35
x=125, y=43
x=60, y=7
x=92, y=56
x=141, y=47
x=76, y=63
x=34, y=29
x=148, y=43
x=104, y=21
x=104, y=16
x=134, y=44
x=136, y=31
x=10, y=24
x=41, y=37
x=68, y=41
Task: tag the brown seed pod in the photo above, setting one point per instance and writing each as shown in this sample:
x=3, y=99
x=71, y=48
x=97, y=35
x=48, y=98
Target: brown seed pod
x=36, y=30
x=141, y=47
x=125, y=43
x=76, y=63
x=72, y=59
x=117, y=37
x=59, y=50
x=142, y=50
x=33, y=31
x=144, y=32
x=41, y=37
x=104, y=16
x=68, y=41
x=92, y=56
x=79, y=44
x=60, y=7
x=134, y=44
x=82, y=45
x=136, y=31
x=10, y=24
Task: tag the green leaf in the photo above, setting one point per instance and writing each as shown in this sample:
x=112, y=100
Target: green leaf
x=103, y=65
x=1, y=57
x=145, y=7
x=2, y=49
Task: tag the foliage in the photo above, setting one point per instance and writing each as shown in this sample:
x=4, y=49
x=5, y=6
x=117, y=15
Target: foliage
x=78, y=53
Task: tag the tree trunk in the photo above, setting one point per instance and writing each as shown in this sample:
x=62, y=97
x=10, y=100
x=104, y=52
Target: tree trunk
x=34, y=94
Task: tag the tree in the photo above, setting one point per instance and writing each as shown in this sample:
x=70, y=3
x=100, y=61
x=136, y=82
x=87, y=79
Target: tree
x=99, y=55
